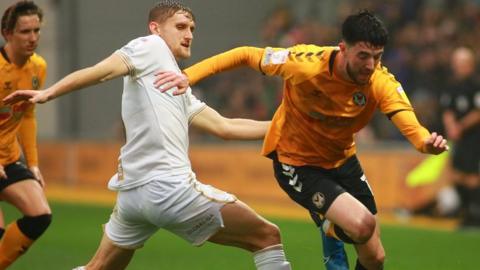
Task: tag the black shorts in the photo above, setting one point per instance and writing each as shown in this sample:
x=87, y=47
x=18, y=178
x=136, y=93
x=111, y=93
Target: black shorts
x=316, y=188
x=16, y=172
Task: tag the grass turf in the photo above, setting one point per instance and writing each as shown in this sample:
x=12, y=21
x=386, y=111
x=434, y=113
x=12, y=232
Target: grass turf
x=76, y=231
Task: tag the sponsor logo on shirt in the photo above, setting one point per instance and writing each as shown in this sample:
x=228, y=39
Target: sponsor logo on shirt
x=275, y=58
x=334, y=121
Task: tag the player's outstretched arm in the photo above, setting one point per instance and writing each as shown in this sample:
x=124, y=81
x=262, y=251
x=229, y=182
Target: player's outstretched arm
x=420, y=137
x=241, y=56
x=212, y=122
x=110, y=68
x=249, y=56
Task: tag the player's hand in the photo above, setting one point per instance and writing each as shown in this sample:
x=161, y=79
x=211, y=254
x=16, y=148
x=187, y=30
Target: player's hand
x=38, y=175
x=435, y=144
x=32, y=96
x=165, y=80
x=3, y=175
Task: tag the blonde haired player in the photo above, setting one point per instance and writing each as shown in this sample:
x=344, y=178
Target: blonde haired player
x=21, y=186
x=155, y=183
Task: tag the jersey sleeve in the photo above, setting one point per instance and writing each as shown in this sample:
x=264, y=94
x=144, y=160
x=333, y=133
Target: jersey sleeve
x=42, y=74
x=142, y=55
x=27, y=135
x=27, y=132
x=407, y=123
x=241, y=56
x=294, y=64
x=275, y=61
x=195, y=106
x=390, y=94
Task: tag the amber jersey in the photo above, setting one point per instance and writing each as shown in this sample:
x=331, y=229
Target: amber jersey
x=17, y=122
x=320, y=112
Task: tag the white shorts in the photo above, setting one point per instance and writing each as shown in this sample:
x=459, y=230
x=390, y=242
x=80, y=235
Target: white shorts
x=186, y=208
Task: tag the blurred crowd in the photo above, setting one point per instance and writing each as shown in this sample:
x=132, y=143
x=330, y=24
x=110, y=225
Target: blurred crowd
x=423, y=35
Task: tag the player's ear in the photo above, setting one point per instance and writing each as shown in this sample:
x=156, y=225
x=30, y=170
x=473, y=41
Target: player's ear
x=154, y=27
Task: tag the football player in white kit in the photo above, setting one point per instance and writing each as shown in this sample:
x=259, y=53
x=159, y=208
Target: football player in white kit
x=155, y=183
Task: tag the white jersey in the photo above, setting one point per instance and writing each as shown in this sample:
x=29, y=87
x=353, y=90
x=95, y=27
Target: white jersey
x=156, y=123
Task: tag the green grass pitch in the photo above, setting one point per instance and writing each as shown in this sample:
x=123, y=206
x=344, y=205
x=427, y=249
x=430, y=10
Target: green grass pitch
x=76, y=230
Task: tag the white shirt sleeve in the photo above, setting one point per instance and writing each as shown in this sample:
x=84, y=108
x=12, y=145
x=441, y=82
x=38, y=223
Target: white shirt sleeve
x=195, y=106
x=143, y=55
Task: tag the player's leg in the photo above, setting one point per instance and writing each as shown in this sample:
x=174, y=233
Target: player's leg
x=246, y=229
x=369, y=248
x=28, y=197
x=334, y=255
x=371, y=255
x=203, y=213
x=126, y=230
x=110, y=256
x=357, y=228
x=294, y=181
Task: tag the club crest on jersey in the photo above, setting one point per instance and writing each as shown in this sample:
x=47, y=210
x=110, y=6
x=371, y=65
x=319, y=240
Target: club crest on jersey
x=35, y=83
x=7, y=86
x=359, y=99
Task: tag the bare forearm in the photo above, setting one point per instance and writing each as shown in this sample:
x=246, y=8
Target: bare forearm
x=246, y=129
x=74, y=81
x=108, y=69
x=213, y=123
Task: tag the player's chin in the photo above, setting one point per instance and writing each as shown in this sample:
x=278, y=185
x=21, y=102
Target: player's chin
x=185, y=53
x=29, y=52
x=363, y=79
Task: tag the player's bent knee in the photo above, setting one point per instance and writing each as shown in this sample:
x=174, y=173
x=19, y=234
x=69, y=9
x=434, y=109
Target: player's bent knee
x=34, y=226
x=273, y=234
x=267, y=235
x=364, y=229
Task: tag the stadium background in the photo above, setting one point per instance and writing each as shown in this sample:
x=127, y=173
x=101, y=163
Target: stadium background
x=80, y=134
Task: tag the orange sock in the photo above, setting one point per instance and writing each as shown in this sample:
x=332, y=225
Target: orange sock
x=13, y=244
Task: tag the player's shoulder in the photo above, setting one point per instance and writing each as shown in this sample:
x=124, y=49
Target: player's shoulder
x=306, y=48
x=310, y=53
x=382, y=74
x=146, y=41
x=38, y=61
x=384, y=83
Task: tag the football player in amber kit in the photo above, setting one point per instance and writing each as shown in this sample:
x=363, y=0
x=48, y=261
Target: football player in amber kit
x=20, y=185
x=329, y=94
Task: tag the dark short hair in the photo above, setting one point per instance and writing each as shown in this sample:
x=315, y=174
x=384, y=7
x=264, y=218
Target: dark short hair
x=165, y=9
x=364, y=27
x=21, y=8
